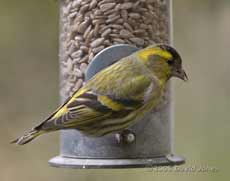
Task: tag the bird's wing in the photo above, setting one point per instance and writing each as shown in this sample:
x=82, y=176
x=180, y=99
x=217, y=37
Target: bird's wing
x=92, y=105
x=104, y=94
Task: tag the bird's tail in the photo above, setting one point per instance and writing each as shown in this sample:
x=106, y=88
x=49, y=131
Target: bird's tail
x=28, y=137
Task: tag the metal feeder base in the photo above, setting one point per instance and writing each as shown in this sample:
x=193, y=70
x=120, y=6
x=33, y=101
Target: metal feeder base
x=65, y=162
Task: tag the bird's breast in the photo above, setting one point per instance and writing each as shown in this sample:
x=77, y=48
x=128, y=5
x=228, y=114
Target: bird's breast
x=152, y=96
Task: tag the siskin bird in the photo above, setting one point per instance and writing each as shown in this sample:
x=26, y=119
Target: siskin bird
x=117, y=96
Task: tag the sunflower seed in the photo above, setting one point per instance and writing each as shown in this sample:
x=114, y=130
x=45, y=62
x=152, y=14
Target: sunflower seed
x=134, y=15
x=83, y=67
x=72, y=15
x=93, y=4
x=137, y=41
x=77, y=85
x=128, y=27
x=76, y=4
x=91, y=55
x=85, y=49
x=97, y=42
x=96, y=29
x=84, y=59
x=118, y=40
x=119, y=21
x=114, y=35
x=107, y=42
x=127, y=5
x=110, y=20
x=77, y=72
x=125, y=34
x=83, y=26
x=124, y=14
x=98, y=49
x=98, y=21
x=87, y=31
x=77, y=54
x=84, y=8
x=116, y=26
x=97, y=12
x=79, y=18
x=106, y=32
x=107, y=6
x=89, y=37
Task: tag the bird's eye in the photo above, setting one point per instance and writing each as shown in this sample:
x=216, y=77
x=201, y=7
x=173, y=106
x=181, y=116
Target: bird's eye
x=170, y=61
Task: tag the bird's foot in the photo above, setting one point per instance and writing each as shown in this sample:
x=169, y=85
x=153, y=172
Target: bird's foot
x=125, y=137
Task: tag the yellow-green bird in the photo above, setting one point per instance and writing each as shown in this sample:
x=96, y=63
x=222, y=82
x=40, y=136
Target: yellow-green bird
x=117, y=96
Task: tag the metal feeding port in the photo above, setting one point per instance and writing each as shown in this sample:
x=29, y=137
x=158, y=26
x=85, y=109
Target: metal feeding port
x=151, y=137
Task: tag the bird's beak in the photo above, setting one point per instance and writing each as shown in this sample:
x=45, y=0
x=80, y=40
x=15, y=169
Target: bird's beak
x=182, y=75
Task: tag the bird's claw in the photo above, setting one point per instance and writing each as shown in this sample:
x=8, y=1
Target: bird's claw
x=125, y=137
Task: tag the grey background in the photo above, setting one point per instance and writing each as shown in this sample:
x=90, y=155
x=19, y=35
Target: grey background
x=29, y=92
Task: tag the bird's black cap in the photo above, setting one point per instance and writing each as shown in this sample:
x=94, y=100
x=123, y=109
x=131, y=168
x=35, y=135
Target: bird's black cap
x=171, y=50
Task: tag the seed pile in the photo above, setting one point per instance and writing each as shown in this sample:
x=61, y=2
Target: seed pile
x=88, y=26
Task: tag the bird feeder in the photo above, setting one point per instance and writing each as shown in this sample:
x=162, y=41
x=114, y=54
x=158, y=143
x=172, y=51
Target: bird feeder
x=93, y=35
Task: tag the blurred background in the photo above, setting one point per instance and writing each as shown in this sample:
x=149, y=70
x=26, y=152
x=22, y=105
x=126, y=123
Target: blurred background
x=29, y=89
